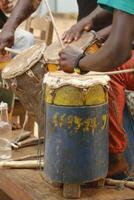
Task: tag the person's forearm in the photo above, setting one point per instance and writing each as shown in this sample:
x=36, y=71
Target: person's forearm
x=117, y=48
x=22, y=10
x=105, y=59
x=104, y=33
x=100, y=17
x=99, y=61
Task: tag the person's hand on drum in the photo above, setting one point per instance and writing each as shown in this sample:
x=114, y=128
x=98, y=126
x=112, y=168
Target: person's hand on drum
x=6, y=6
x=74, y=33
x=69, y=58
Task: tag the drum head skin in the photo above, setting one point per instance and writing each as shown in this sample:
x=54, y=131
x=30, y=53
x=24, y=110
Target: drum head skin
x=24, y=61
x=75, y=90
x=60, y=78
x=52, y=51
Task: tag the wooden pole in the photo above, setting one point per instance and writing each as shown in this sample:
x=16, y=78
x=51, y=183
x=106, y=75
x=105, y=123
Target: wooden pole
x=29, y=164
x=12, y=50
x=71, y=191
x=111, y=72
x=30, y=142
x=54, y=24
x=28, y=157
x=112, y=182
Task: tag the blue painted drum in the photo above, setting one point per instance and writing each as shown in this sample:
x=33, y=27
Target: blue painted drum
x=76, y=153
x=76, y=147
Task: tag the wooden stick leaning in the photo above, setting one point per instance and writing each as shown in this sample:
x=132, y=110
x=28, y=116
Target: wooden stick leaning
x=54, y=24
x=12, y=50
x=12, y=107
x=28, y=164
x=112, y=182
x=27, y=143
x=111, y=72
x=23, y=135
x=27, y=157
x=30, y=142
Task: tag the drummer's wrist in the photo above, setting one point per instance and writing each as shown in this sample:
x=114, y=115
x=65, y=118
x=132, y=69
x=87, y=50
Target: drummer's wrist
x=76, y=65
x=82, y=65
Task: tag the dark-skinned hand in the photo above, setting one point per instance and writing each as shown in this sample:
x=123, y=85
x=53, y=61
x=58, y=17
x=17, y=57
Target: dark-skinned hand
x=68, y=57
x=74, y=33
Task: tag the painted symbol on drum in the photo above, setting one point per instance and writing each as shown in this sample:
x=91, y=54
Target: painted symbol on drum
x=77, y=123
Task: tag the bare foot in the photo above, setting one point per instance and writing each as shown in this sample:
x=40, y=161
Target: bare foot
x=117, y=164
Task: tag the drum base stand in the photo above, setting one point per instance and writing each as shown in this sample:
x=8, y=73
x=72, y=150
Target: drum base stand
x=73, y=191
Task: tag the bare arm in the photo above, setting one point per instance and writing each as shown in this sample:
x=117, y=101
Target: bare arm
x=92, y=21
x=104, y=33
x=117, y=48
x=22, y=10
x=100, y=18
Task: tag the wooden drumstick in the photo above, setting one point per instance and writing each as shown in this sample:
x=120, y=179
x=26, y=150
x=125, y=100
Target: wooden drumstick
x=113, y=182
x=28, y=164
x=30, y=142
x=11, y=50
x=28, y=157
x=111, y=72
x=54, y=24
x=120, y=71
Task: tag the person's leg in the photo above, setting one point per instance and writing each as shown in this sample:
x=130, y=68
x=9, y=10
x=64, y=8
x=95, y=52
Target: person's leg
x=117, y=136
x=23, y=40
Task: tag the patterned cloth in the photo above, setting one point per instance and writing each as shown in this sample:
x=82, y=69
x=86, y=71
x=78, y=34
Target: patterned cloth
x=123, y=5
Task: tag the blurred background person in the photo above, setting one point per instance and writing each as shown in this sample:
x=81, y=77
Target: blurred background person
x=23, y=39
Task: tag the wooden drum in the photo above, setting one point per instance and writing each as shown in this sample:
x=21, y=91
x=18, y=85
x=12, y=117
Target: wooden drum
x=76, y=149
x=88, y=42
x=24, y=75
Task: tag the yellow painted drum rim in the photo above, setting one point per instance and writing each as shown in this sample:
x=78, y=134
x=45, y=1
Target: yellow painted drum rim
x=52, y=67
x=74, y=96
